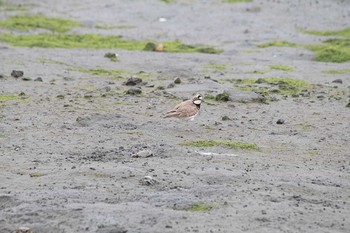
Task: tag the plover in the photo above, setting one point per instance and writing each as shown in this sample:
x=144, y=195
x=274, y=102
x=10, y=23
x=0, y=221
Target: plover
x=188, y=109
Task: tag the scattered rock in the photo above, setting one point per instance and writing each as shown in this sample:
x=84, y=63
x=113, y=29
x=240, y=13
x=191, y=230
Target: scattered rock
x=38, y=79
x=112, y=56
x=149, y=46
x=143, y=154
x=2, y=76
x=111, y=229
x=134, y=91
x=26, y=79
x=348, y=105
x=177, y=80
x=150, y=85
x=88, y=95
x=17, y=73
x=338, y=80
x=225, y=96
x=24, y=230
x=225, y=118
x=148, y=180
x=171, y=85
x=60, y=97
x=280, y=121
x=22, y=94
x=132, y=81
x=106, y=89
x=83, y=121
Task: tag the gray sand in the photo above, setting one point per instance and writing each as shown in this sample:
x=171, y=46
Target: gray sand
x=66, y=149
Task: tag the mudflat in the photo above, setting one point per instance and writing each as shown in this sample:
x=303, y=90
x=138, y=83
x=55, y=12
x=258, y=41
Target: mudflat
x=83, y=146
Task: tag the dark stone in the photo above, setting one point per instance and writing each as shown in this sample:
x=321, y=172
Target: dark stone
x=338, y=80
x=225, y=118
x=348, y=105
x=38, y=79
x=106, y=89
x=132, y=81
x=225, y=96
x=134, y=91
x=149, y=46
x=171, y=85
x=280, y=121
x=177, y=80
x=26, y=79
x=17, y=73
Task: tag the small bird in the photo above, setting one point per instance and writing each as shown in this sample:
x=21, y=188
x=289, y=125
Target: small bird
x=188, y=109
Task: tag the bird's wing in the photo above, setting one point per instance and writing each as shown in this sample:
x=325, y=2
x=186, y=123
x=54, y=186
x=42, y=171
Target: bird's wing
x=184, y=109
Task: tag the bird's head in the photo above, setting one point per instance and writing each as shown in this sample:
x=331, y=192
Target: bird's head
x=197, y=99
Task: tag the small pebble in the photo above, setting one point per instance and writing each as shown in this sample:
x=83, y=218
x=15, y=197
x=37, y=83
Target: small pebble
x=225, y=118
x=17, y=73
x=143, y=154
x=38, y=79
x=177, y=80
x=171, y=85
x=24, y=230
x=280, y=121
x=148, y=180
x=134, y=91
x=132, y=81
x=338, y=80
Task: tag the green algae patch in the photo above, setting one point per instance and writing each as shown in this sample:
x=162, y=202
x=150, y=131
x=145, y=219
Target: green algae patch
x=179, y=47
x=94, y=41
x=282, y=86
x=344, y=32
x=32, y=22
x=51, y=61
x=114, y=74
x=217, y=66
x=6, y=7
x=332, y=50
x=277, y=44
x=201, y=207
x=231, y=145
x=305, y=127
x=4, y=98
x=36, y=174
x=340, y=71
x=312, y=153
x=108, y=27
x=282, y=68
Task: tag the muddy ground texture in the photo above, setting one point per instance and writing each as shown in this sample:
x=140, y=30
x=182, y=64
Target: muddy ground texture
x=78, y=154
